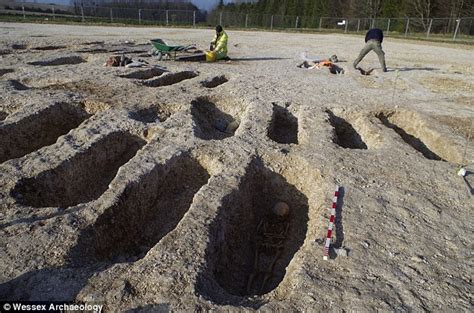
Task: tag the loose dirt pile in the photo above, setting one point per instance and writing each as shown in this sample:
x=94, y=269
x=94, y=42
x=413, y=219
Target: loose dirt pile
x=144, y=189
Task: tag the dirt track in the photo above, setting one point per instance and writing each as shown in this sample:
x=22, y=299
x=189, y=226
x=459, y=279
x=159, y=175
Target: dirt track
x=143, y=190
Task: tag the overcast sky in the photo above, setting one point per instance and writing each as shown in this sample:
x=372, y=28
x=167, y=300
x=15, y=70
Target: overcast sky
x=201, y=4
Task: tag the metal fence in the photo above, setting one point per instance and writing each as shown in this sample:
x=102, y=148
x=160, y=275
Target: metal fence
x=434, y=28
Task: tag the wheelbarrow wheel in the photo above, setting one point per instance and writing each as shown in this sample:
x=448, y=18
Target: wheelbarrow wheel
x=160, y=56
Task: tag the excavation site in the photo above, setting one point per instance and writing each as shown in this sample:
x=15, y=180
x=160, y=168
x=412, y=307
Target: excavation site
x=72, y=182
x=259, y=239
x=273, y=178
x=29, y=130
x=283, y=126
x=146, y=212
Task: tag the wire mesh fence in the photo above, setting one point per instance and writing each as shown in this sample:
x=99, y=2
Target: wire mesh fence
x=434, y=28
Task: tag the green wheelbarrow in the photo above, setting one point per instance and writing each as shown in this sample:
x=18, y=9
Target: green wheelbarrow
x=161, y=49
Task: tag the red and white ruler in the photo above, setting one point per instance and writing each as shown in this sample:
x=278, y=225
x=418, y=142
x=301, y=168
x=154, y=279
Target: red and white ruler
x=331, y=224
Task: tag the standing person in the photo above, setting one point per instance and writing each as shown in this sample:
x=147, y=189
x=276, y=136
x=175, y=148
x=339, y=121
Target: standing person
x=373, y=41
x=219, y=43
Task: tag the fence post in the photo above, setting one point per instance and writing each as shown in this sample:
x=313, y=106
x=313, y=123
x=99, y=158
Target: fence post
x=429, y=28
x=271, y=23
x=406, y=28
x=458, y=21
x=194, y=18
x=140, y=16
x=111, y=16
x=388, y=25
x=54, y=15
x=246, y=20
x=167, y=20
x=296, y=23
x=320, y=23
x=82, y=14
x=347, y=24
x=358, y=25
x=23, y=10
x=373, y=23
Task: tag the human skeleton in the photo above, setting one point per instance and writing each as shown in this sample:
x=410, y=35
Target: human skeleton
x=272, y=232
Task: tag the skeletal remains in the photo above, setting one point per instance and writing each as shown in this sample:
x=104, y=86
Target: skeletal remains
x=272, y=232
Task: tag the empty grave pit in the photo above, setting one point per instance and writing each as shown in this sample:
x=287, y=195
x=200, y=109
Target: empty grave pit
x=214, y=82
x=283, y=126
x=215, y=120
x=38, y=129
x=149, y=115
x=236, y=233
x=169, y=79
x=68, y=60
x=92, y=50
x=17, y=85
x=19, y=46
x=4, y=71
x=47, y=48
x=145, y=74
x=344, y=133
x=82, y=178
x=90, y=43
x=413, y=131
x=147, y=210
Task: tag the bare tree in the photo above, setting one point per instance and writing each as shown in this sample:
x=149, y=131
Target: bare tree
x=367, y=8
x=423, y=8
x=375, y=7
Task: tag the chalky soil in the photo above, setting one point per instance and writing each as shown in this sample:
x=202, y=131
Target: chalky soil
x=154, y=189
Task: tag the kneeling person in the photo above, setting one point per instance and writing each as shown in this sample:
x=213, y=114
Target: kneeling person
x=218, y=49
x=219, y=44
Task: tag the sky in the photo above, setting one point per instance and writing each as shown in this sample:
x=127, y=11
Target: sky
x=201, y=4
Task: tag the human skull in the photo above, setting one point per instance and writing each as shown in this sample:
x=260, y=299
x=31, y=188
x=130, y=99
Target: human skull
x=281, y=209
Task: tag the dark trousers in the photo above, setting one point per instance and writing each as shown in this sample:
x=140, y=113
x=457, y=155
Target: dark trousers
x=369, y=46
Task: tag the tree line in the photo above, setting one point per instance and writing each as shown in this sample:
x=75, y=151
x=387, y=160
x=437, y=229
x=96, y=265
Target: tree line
x=424, y=9
x=138, y=4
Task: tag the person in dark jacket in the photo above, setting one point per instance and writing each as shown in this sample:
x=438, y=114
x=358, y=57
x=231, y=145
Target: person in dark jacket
x=373, y=41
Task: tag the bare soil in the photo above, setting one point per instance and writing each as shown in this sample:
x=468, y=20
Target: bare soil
x=143, y=189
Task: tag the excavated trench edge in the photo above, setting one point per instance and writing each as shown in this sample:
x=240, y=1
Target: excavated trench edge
x=149, y=115
x=344, y=133
x=83, y=178
x=147, y=210
x=283, y=126
x=46, y=48
x=144, y=74
x=214, y=82
x=17, y=85
x=212, y=123
x=170, y=79
x=4, y=71
x=38, y=130
x=415, y=142
x=230, y=254
x=71, y=60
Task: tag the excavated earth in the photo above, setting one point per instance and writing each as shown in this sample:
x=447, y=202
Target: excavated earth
x=142, y=189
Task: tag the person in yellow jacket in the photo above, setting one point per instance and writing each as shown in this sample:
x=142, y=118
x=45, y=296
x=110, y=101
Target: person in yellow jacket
x=218, y=49
x=218, y=45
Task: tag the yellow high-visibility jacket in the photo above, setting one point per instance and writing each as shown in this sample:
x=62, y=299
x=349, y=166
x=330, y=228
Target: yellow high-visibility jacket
x=220, y=44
